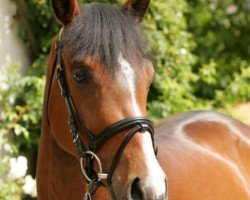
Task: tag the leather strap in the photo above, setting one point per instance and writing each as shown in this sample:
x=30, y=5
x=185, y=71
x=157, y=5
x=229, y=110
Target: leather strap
x=118, y=156
x=121, y=126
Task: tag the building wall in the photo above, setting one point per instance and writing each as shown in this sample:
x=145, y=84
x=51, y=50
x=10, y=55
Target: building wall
x=11, y=47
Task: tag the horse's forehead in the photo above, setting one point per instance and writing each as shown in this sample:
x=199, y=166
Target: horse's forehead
x=126, y=68
x=127, y=80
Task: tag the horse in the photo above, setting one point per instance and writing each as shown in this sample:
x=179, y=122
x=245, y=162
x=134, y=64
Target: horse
x=205, y=155
x=96, y=140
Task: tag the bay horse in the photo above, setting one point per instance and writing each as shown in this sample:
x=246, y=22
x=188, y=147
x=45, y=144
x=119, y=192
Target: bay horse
x=96, y=140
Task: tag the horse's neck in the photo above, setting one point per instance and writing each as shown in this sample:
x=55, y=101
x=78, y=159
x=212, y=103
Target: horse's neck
x=58, y=173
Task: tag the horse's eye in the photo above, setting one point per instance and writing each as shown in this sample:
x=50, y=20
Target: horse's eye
x=82, y=75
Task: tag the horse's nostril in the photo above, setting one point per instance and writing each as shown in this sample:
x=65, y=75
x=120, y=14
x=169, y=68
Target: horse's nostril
x=136, y=190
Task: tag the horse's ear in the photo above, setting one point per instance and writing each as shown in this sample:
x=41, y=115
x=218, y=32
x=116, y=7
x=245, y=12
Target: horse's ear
x=65, y=10
x=137, y=8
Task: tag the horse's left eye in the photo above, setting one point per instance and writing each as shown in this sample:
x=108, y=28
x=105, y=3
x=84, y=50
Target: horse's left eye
x=82, y=75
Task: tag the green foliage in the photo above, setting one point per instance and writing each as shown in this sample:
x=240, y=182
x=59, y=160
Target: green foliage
x=221, y=31
x=41, y=19
x=171, y=45
x=201, y=54
x=238, y=89
x=21, y=106
x=20, y=119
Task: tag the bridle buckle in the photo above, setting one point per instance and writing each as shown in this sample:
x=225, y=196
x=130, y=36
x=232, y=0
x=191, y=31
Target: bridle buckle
x=144, y=127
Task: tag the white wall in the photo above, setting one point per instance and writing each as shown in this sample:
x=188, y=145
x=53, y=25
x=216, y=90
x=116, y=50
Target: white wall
x=11, y=47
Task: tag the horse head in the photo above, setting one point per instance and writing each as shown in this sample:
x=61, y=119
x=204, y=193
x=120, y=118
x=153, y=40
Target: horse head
x=99, y=64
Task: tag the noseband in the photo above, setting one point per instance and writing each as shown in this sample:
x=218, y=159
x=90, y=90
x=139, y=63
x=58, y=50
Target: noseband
x=87, y=152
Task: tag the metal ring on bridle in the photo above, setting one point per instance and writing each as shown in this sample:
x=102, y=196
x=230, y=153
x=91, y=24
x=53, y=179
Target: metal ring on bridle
x=100, y=174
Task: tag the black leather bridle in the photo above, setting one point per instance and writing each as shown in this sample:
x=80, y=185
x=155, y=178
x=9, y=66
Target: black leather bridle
x=87, y=153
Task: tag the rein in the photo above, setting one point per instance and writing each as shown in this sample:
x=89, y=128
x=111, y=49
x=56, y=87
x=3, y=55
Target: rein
x=87, y=152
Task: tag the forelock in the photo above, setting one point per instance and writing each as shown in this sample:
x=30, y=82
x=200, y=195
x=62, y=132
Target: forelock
x=103, y=32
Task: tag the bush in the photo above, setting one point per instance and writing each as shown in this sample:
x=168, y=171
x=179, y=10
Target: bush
x=20, y=119
x=171, y=44
x=221, y=31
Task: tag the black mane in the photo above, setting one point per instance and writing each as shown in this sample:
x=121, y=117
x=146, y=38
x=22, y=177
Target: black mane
x=103, y=32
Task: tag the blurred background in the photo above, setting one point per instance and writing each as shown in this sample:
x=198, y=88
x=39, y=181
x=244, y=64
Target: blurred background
x=200, y=50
